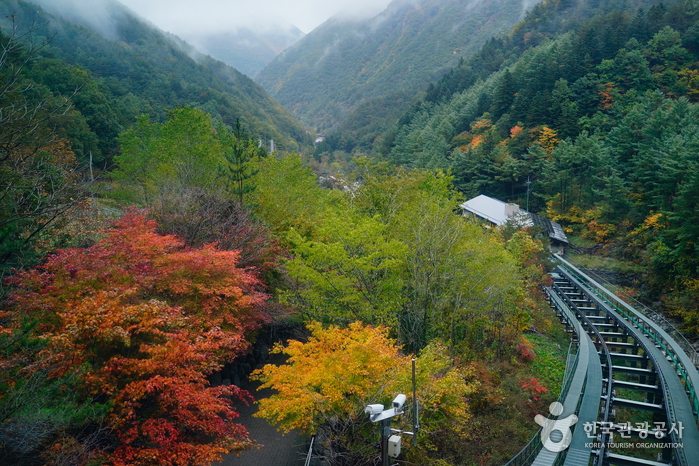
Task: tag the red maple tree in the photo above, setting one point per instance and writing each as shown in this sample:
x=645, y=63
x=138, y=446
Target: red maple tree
x=144, y=320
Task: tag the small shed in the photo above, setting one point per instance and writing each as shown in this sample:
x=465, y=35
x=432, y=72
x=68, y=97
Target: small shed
x=498, y=213
x=494, y=211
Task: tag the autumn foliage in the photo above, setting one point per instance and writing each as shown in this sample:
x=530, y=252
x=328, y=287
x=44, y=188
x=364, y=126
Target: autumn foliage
x=141, y=321
x=329, y=379
x=337, y=371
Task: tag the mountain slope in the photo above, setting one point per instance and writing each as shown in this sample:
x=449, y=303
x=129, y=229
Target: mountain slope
x=344, y=62
x=512, y=80
x=145, y=71
x=594, y=126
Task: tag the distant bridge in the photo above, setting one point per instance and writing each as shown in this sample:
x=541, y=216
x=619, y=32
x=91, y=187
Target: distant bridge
x=631, y=379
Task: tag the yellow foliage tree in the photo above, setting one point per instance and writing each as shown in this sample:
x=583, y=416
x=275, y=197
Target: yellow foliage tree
x=548, y=138
x=690, y=78
x=327, y=382
x=335, y=373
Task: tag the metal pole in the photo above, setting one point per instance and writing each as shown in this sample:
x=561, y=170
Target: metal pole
x=310, y=451
x=528, y=184
x=385, y=433
x=416, y=422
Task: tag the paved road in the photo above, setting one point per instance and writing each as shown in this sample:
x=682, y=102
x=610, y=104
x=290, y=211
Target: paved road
x=276, y=450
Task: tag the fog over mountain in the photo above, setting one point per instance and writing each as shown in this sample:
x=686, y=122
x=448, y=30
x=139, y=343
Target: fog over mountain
x=186, y=17
x=100, y=15
x=244, y=35
x=347, y=60
x=247, y=50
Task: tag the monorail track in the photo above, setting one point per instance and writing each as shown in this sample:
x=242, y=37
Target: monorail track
x=630, y=384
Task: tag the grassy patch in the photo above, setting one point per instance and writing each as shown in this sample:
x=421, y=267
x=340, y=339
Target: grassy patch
x=604, y=263
x=580, y=241
x=550, y=362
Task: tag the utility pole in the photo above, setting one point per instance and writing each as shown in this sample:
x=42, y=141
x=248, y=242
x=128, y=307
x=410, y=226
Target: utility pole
x=92, y=175
x=529, y=182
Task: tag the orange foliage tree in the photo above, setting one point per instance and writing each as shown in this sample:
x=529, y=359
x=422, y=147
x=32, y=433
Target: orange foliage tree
x=142, y=321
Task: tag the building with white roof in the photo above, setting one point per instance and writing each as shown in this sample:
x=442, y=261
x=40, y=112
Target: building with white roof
x=499, y=213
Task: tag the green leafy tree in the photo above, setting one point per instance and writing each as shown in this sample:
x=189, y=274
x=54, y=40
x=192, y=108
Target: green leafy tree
x=628, y=68
x=350, y=271
x=39, y=178
x=182, y=152
x=451, y=267
x=288, y=195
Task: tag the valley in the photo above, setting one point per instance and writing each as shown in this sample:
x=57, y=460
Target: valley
x=176, y=232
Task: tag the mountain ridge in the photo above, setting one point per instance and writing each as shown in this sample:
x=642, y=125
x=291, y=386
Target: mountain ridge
x=343, y=62
x=146, y=71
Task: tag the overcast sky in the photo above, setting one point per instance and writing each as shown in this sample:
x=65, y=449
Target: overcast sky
x=191, y=16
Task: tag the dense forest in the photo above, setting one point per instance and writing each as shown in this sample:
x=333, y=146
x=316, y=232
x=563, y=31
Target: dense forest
x=108, y=344
x=600, y=120
x=149, y=240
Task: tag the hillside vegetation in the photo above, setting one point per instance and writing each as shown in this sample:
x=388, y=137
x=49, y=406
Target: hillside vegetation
x=147, y=239
x=110, y=347
x=142, y=253
x=601, y=120
x=345, y=62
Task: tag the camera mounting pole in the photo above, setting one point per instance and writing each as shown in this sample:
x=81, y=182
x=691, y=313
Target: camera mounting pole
x=378, y=414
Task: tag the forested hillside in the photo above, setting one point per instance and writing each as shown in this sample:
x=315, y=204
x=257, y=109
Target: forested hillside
x=78, y=89
x=601, y=120
x=345, y=62
x=149, y=242
x=138, y=69
x=367, y=129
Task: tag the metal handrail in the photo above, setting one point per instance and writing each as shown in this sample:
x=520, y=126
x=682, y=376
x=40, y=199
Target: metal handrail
x=585, y=322
x=674, y=350
x=651, y=314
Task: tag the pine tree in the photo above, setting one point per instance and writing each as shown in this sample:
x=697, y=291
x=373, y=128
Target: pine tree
x=239, y=151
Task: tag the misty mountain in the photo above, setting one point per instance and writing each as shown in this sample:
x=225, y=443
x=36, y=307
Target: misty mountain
x=344, y=62
x=587, y=112
x=142, y=70
x=517, y=79
x=246, y=50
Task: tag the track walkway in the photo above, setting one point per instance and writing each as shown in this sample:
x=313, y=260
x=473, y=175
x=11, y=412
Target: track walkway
x=619, y=350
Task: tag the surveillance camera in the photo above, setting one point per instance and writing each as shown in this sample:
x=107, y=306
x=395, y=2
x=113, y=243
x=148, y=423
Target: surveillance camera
x=373, y=410
x=399, y=401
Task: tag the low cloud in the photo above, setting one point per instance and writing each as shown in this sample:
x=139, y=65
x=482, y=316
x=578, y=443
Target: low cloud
x=193, y=16
x=97, y=14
